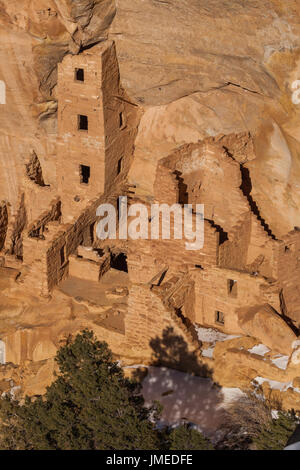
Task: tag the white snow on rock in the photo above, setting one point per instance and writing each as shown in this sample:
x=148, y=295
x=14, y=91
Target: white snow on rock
x=295, y=344
x=280, y=361
x=259, y=349
x=209, y=352
x=209, y=335
x=274, y=384
x=188, y=398
x=230, y=395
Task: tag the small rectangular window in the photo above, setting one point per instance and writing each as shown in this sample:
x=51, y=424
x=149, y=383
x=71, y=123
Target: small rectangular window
x=79, y=75
x=83, y=122
x=120, y=166
x=122, y=120
x=62, y=255
x=232, y=287
x=220, y=318
x=85, y=173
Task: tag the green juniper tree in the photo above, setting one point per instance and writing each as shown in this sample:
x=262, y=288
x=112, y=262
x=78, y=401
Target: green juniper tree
x=185, y=438
x=90, y=405
x=275, y=434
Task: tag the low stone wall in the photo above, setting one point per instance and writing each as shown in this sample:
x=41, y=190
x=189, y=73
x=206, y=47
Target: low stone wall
x=84, y=268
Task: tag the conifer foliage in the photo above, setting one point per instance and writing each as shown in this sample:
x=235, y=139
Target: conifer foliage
x=186, y=438
x=90, y=405
x=275, y=435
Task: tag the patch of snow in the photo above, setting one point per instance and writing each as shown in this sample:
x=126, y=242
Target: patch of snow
x=209, y=335
x=295, y=446
x=193, y=399
x=296, y=343
x=209, y=352
x=280, y=361
x=212, y=336
x=274, y=384
x=259, y=349
x=13, y=391
x=230, y=395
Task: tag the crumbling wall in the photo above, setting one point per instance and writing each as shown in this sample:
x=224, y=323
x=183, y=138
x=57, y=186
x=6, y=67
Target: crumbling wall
x=69, y=236
x=212, y=178
x=119, y=121
x=289, y=275
x=262, y=250
x=250, y=249
x=166, y=186
x=148, y=257
x=226, y=291
x=18, y=222
x=156, y=335
x=84, y=268
x=34, y=170
x=233, y=253
x=36, y=229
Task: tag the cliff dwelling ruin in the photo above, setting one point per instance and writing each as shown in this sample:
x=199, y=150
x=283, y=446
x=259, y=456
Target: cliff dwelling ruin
x=59, y=277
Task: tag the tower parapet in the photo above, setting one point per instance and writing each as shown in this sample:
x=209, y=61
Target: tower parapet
x=91, y=118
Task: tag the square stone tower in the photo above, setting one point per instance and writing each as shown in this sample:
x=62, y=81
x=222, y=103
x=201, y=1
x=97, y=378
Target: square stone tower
x=91, y=117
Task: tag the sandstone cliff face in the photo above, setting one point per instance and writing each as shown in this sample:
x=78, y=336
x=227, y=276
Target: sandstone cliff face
x=197, y=69
x=218, y=68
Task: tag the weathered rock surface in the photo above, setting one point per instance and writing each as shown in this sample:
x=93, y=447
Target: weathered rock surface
x=262, y=322
x=222, y=68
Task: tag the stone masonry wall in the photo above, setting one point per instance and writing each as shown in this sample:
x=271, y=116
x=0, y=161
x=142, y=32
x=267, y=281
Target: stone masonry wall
x=214, y=293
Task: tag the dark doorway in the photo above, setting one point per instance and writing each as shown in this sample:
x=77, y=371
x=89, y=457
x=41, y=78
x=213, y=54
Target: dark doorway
x=119, y=262
x=85, y=173
x=79, y=75
x=83, y=122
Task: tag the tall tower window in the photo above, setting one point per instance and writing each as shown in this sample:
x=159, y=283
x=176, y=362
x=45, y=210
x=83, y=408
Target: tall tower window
x=83, y=122
x=79, y=75
x=122, y=120
x=120, y=166
x=85, y=173
x=232, y=287
x=219, y=318
x=62, y=254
